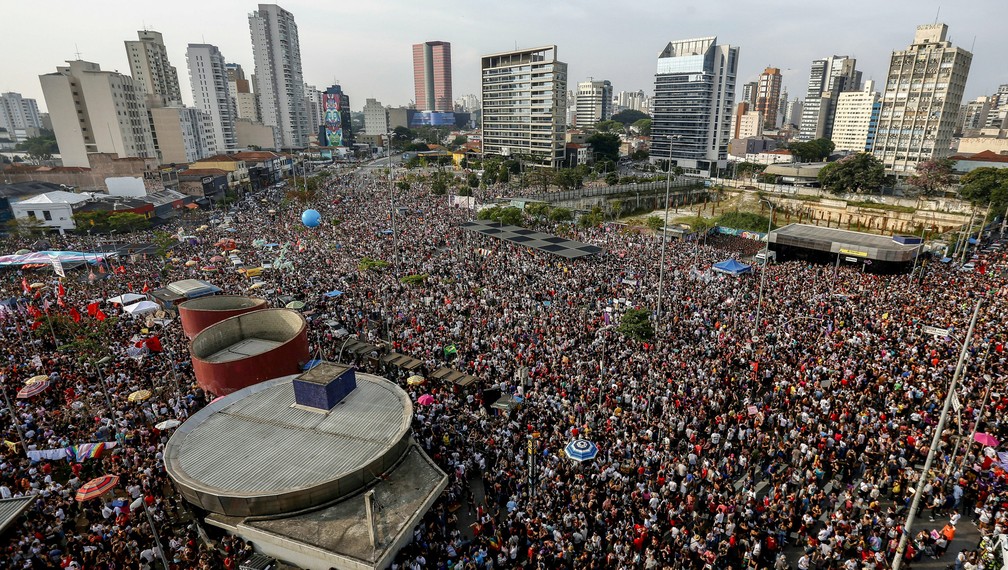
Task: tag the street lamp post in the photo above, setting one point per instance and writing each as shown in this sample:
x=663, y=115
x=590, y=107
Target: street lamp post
x=139, y=504
x=935, y=440
x=763, y=272
x=668, y=189
x=340, y=357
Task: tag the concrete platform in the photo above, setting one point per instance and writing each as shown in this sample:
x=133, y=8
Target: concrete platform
x=243, y=349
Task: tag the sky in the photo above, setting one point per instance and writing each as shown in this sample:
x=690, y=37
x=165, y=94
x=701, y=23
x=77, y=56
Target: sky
x=365, y=45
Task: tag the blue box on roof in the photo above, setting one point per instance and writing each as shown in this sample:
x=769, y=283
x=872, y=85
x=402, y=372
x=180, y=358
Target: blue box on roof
x=325, y=385
x=907, y=240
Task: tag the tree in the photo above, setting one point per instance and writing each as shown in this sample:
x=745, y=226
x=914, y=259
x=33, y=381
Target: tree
x=569, y=178
x=39, y=148
x=931, y=177
x=748, y=169
x=26, y=226
x=986, y=185
x=617, y=208
x=654, y=222
x=592, y=219
x=401, y=136
x=605, y=145
x=818, y=149
x=642, y=127
x=164, y=242
x=609, y=127
x=541, y=177
x=561, y=215
x=629, y=116
x=860, y=172
x=537, y=209
x=636, y=324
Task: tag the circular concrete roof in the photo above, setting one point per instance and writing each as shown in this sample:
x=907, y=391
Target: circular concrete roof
x=254, y=452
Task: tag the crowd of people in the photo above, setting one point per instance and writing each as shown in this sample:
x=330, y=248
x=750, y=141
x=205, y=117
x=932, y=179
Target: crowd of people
x=724, y=442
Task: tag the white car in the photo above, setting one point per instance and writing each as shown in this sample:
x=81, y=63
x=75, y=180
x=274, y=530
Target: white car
x=968, y=267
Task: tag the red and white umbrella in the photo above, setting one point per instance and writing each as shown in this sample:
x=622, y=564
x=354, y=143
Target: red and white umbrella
x=96, y=487
x=33, y=389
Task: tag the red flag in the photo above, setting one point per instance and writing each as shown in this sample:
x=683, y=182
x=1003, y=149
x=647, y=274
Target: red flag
x=24, y=285
x=129, y=286
x=101, y=269
x=60, y=291
x=92, y=309
x=75, y=314
x=59, y=301
x=121, y=270
x=145, y=287
x=36, y=325
x=100, y=315
x=154, y=344
x=34, y=312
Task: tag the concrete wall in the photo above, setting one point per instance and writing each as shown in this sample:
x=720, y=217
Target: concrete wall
x=199, y=314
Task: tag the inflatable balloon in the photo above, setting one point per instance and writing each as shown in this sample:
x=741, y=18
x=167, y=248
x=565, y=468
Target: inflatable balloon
x=311, y=218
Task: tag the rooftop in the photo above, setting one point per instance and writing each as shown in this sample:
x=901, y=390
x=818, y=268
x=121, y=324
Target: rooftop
x=544, y=242
x=843, y=242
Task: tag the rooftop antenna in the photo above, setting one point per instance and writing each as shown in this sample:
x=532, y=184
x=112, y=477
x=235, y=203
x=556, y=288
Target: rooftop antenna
x=77, y=52
x=973, y=45
x=937, y=14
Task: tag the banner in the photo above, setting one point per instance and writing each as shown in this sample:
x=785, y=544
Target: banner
x=58, y=266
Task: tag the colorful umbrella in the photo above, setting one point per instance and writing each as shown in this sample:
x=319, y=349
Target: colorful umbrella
x=96, y=487
x=167, y=424
x=256, y=285
x=217, y=259
x=415, y=380
x=581, y=450
x=190, y=263
x=33, y=389
x=985, y=439
x=296, y=305
x=139, y=396
x=426, y=400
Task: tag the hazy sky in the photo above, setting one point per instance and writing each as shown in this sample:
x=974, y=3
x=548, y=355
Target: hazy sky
x=365, y=45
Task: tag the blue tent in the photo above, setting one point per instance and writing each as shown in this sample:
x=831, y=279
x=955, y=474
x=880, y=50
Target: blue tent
x=732, y=267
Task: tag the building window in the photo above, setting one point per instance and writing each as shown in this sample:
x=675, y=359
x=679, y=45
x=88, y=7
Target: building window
x=31, y=214
x=47, y=215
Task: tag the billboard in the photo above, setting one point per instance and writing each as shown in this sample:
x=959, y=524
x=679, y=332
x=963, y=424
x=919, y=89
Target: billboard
x=432, y=119
x=333, y=122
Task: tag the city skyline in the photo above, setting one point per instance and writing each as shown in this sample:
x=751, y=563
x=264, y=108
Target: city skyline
x=373, y=58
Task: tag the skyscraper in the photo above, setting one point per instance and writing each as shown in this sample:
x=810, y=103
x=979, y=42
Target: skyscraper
x=432, y=78
x=244, y=100
x=829, y=78
x=525, y=104
x=278, y=80
x=209, y=79
x=749, y=92
x=19, y=116
x=96, y=111
x=149, y=66
x=768, y=96
x=694, y=92
x=920, y=104
x=594, y=102
x=335, y=128
x=856, y=119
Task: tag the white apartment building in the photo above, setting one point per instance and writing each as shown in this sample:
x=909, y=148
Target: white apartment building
x=694, y=95
x=750, y=125
x=375, y=118
x=524, y=104
x=182, y=134
x=313, y=104
x=633, y=100
x=96, y=111
x=239, y=87
x=920, y=104
x=278, y=79
x=209, y=80
x=856, y=119
x=19, y=116
x=149, y=66
x=593, y=103
x=829, y=78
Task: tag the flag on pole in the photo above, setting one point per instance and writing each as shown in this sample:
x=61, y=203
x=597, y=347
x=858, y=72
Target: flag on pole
x=58, y=266
x=100, y=315
x=92, y=309
x=24, y=285
x=60, y=291
x=75, y=314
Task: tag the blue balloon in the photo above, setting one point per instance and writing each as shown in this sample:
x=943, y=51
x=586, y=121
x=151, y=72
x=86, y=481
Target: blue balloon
x=311, y=218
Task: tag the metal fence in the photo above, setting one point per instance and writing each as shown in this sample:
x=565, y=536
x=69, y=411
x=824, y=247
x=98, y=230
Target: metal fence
x=609, y=191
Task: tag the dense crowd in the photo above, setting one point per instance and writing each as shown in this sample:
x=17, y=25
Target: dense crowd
x=724, y=442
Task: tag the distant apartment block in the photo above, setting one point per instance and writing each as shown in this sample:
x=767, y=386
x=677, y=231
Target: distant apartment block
x=829, y=78
x=593, y=102
x=19, y=116
x=149, y=66
x=856, y=119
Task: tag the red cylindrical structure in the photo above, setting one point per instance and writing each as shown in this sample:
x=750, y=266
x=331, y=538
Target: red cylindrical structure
x=198, y=314
x=250, y=348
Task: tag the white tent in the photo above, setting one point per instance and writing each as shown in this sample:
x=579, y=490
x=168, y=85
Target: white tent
x=125, y=299
x=142, y=308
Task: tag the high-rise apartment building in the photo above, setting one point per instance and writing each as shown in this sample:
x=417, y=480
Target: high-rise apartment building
x=782, y=108
x=375, y=118
x=973, y=115
x=524, y=104
x=241, y=93
x=96, y=111
x=856, y=119
x=997, y=115
x=467, y=103
x=209, y=79
x=594, y=102
x=334, y=130
x=182, y=134
x=149, y=66
x=19, y=116
x=748, y=125
x=920, y=104
x=432, y=76
x=749, y=92
x=632, y=100
x=794, y=112
x=694, y=94
x=768, y=96
x=829, y=78
x=279, y=83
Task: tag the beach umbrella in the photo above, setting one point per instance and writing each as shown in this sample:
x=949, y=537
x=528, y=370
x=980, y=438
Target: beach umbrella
x=415, y=380
x=139, y=396
x=296, y=305
x=190, y=263
x=22, y=251
x=39, y=378
x=985, y=439
x=209, y=268
x=581, y=450
x=37, y=285
x=33, y=389
x=96, y=487
x=167, y=424
x=426, y=400
x=217, y=259
x=256, y=285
